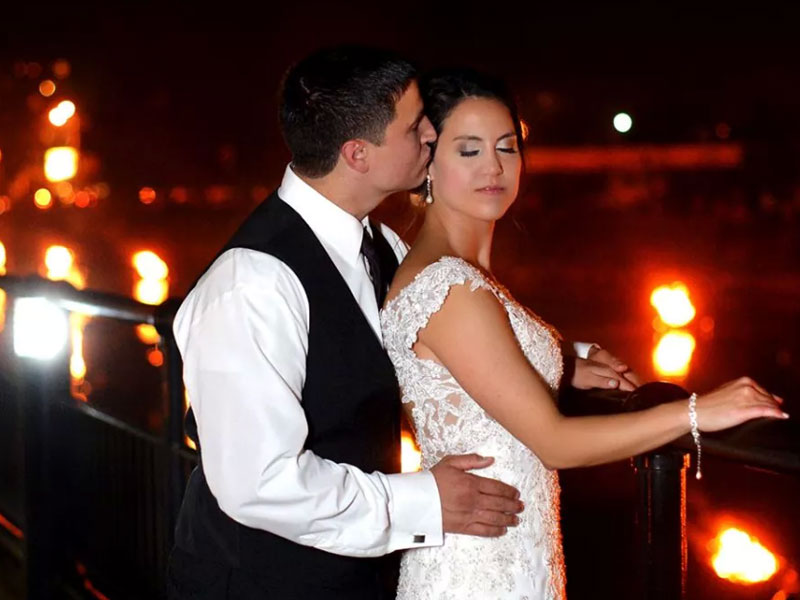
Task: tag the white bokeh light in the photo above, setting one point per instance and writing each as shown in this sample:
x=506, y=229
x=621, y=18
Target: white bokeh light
x=623, y=122
x=41, y=329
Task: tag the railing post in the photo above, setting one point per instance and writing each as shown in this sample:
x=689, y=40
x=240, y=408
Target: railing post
x=175, y=410
x=41, y=385
x=661, y=523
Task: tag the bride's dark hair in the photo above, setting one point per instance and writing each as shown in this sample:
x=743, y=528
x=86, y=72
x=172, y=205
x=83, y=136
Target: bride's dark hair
x=443, y=90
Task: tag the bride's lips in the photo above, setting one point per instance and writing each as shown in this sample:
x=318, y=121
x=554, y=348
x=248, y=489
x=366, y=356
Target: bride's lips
x=491, y=189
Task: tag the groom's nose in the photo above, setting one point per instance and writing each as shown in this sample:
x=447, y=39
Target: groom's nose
x=427, y=132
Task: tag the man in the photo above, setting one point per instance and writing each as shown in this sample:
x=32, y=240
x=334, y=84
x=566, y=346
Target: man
x=297, y=494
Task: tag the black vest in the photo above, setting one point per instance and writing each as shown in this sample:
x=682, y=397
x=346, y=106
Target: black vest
x=351, y=402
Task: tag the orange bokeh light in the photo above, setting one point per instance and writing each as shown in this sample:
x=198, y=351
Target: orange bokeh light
x=155, y=357
x=740, y=558
x=47, y=88
x=673, y=304
x=147, y=195
x=149, y=265
x=673, y=354
x=147, y=334
x=411, y=457
x=43, y=198
x=151, y=291
x=60, y=163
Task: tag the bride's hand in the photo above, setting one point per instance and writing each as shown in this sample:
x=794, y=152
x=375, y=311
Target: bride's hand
x=734, y=403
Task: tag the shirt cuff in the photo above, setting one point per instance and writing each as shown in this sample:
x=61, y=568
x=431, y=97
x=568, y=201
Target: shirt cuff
x=582, y=348
x=416, y=511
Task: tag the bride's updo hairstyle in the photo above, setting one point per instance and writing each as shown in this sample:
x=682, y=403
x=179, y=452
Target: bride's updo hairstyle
x=444, y=89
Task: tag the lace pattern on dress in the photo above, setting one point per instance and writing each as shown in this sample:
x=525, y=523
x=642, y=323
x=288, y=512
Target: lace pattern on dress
x=526, y=563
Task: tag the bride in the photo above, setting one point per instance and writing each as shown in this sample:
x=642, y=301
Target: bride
x=479, y=372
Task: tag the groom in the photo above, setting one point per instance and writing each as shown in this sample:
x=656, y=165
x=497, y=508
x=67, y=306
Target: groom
x=297, y=494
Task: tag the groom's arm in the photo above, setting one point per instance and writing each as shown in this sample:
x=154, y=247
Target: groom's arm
x=243, y=334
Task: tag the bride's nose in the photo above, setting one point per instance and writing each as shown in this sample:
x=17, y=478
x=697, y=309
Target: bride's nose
x=494, y=165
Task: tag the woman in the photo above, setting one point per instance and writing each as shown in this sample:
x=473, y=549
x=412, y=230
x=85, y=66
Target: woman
x=479, y=372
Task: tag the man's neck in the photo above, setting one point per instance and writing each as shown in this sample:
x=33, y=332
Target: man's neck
x=343, y=194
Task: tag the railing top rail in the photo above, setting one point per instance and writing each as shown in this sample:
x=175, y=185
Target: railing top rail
x=89, y=302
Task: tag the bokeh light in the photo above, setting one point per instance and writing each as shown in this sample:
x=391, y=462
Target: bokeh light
x=623, y=122
x=741, y=558
x=673, y=354
x=60, y=163
x=673, y=304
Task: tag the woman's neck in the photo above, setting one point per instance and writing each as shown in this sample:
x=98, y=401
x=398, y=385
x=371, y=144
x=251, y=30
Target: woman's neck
x=458, y=235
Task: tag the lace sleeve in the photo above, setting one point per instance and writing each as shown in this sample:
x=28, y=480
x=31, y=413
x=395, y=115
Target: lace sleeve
x=430, y=289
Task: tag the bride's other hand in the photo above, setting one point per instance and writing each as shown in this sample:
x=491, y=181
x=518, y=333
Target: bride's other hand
x=734, y=403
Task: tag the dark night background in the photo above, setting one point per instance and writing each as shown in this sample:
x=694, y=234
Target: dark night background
x=182, y=98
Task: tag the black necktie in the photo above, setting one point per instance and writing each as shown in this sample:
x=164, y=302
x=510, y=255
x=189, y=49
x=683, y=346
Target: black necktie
x=371, y=254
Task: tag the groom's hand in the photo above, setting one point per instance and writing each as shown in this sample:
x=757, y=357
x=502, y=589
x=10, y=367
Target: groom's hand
x=471, y=504
x=601, y=369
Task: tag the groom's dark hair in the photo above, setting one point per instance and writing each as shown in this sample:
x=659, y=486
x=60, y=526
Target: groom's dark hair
x=339, y=94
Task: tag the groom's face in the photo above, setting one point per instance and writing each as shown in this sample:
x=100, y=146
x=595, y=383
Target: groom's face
x=399, y=162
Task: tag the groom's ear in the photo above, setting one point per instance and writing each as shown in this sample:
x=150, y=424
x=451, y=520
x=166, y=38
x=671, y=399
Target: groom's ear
x=354, y=153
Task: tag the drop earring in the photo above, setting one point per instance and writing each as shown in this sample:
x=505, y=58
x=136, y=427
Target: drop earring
x=429, y=196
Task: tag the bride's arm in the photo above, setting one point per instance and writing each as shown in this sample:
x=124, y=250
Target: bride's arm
x=472, y=337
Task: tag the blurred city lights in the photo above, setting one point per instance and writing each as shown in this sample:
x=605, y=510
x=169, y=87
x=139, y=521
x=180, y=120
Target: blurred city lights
x=59, y=261
x=62, y=113
x=60, y=264
x=43, y=198
x=82, y=199
x=147, y=334
x=61, y=68
x=60, y=163
x=155, y=357
x=151, y=291
x=147, y=195
x=41, y=329
x=741, y=558
x=2, y=291
x=623, y=122
x=47, y=88
x=673, y=304
x=153, y=287
x=77, y=365
x=673, y=354
x=411, y=457
x=149, y=265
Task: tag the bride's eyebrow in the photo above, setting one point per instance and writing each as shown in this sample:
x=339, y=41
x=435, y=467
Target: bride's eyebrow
x=475, y=138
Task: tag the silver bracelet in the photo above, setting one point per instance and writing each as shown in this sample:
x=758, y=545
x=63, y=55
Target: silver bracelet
x=695, y=433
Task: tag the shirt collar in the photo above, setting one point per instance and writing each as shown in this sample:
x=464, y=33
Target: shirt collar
x=332, y=225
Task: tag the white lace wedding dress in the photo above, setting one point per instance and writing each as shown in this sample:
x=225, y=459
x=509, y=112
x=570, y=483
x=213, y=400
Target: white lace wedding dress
x=527, y=563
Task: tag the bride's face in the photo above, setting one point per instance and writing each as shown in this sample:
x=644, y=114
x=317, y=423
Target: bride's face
x=477, y=164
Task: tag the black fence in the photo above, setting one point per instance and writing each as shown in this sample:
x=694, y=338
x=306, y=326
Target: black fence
x=89, y=501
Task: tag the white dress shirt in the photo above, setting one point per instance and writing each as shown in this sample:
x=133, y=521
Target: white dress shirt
x=243, y=335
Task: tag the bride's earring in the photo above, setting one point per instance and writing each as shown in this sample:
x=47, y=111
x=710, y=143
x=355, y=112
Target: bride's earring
x=429, y=196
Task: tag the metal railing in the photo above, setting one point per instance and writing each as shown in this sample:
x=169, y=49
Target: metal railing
x=74, y=452
x=99, y=496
